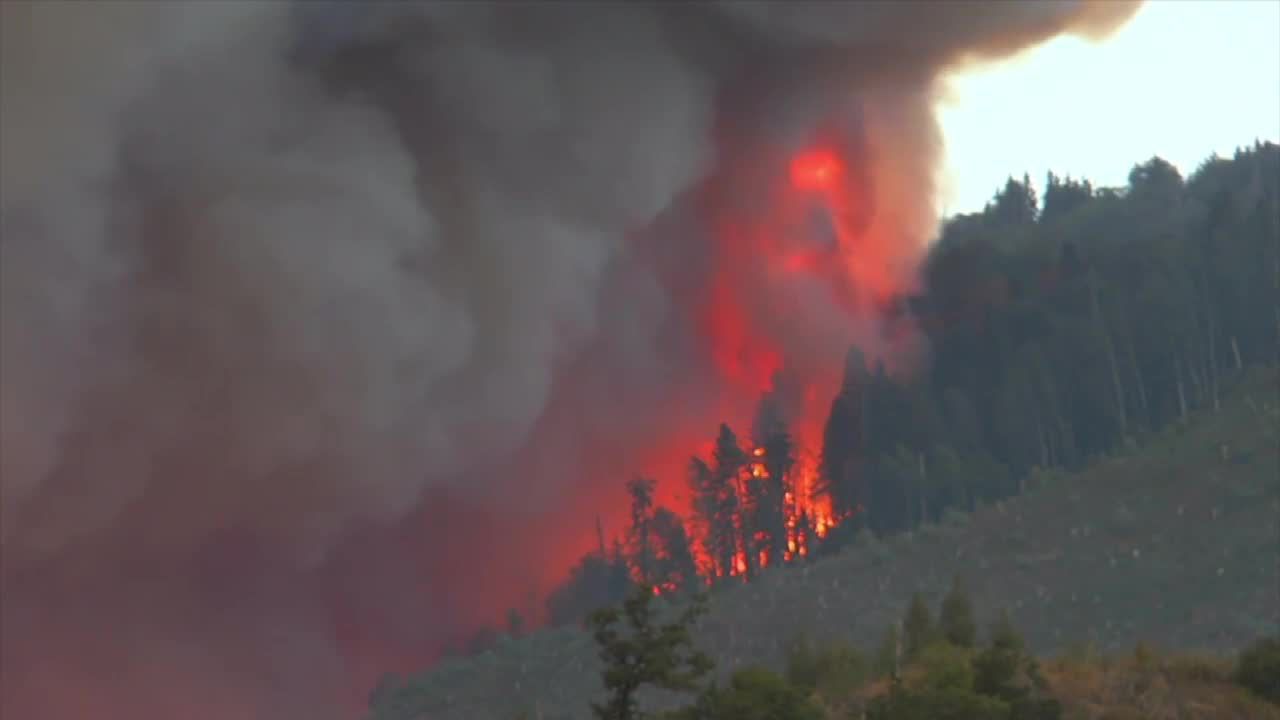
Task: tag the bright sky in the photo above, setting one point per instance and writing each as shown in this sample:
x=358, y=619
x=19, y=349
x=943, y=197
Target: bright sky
x=1182, y=80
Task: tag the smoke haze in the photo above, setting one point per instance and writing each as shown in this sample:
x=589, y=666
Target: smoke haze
x=322, y=324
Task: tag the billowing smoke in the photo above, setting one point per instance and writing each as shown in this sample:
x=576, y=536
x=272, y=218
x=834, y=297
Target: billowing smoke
x=322, y=324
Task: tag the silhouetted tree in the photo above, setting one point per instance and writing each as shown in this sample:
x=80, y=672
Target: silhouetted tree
x=727, y=477
x=675, y=563
x=640, y=535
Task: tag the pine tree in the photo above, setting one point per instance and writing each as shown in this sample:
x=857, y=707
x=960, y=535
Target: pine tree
x=996, y=667
x=705, y=505
x=770, y=469
x=956, y=616
x=729, y=462
x=675, y=563
x=640, y=535
x=515, y=623
x=917, y=627
x=842, y=440
x=646, y=653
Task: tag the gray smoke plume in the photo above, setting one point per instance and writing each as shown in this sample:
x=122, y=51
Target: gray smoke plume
x=286, y=287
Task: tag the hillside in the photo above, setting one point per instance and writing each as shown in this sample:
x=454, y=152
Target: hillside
x=1174, y=542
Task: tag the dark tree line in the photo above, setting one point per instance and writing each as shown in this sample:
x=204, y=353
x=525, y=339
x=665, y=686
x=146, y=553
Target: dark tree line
x=1061, y=333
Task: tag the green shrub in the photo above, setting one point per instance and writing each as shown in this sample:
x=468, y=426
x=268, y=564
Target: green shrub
x=936, y=704
x=833, y=671
x=1258, y=669
x=841, y=671
x=945, y=667
x=955, y=517
x=753, y=694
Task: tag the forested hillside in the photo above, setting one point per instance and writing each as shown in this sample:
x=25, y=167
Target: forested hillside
x=1174, y=543
x=1091, y=438
x=1054, y=331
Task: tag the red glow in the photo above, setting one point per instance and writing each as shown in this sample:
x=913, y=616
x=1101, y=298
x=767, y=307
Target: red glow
x=815, y=170
x=759, y=248
x=750, y=323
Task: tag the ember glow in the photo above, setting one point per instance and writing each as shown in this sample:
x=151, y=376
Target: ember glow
x=800, y=236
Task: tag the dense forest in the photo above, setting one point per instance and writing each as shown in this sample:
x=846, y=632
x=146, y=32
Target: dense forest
x=1059, y=329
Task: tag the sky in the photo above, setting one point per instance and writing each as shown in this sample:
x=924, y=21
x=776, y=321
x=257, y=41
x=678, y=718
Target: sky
x=1183, y=79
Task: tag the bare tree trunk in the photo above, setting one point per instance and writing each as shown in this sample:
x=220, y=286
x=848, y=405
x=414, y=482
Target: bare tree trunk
x=1235, y=353
x=1182, y=393
x=897, y=648
x=1193, y=372
x=1044, y=446
x=1213, y=362
x=1118, y=386
x=1142, y=384
x=924, y=491
x=600, y=535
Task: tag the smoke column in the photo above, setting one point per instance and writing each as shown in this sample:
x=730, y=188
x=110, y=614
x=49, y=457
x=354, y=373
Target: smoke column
x=327, y=328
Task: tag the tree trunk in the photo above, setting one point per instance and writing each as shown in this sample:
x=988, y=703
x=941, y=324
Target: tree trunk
x=1182, y=393
x=924, y=490
x=1142, y=384
x=1213, y=363
x=1044, y=446
x=1117, y=385
x=1235, y=353
x=1193, y=372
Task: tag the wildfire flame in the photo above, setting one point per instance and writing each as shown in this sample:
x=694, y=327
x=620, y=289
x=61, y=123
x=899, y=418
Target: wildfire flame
x=767, y=243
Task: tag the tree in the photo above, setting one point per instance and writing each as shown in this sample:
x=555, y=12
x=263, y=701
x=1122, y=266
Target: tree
x=728, y=463
x=917, y=627
x=515, y=623
x=771, y=463
x=956, y=617
x=640, y=536
x=755, y=693
x=1016, y=204
x=842, y=440
x=1062, y=196
x=705, y=506
x=675, y=566
x=646, y=653
x=1258, y=669
x=833, y=671
x=598, y=580
x=889, y=652
x=1004, y=670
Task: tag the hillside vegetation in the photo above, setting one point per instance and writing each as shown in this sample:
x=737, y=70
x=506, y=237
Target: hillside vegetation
x=1174, y=543
x=1054, y=331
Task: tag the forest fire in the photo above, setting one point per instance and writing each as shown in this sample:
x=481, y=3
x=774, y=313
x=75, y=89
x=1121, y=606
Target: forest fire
x=760, y=501
x=300, y=398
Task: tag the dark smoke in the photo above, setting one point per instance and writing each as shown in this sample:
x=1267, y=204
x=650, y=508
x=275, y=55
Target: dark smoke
x=318, y=320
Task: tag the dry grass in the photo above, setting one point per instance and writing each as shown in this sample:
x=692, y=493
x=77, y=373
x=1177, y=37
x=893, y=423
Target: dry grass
x=1146, y=686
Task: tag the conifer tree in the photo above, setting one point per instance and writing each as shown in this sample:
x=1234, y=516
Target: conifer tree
x=917, y=627
x=645, y=653
x=955, y=619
